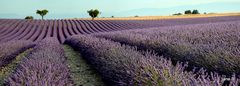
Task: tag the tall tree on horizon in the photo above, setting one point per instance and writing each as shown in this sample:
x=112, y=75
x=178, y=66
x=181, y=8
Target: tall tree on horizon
x=195, y=12
x=93, y=13
x=188, y=12
x=42, y=13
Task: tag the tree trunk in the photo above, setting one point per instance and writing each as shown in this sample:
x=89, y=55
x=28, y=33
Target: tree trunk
x=92, y=18
x=42, y=17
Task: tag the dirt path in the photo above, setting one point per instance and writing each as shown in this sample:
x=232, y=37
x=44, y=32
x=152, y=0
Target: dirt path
x=81, y=73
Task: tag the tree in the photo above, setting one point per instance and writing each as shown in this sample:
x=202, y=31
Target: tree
x=93, y=13
x=195, y=12
x=29, y=17
x=42, y=13
x=188, y=12
x=177, y=14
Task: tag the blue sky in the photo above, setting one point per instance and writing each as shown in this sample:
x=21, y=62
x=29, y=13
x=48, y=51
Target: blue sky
x=118, y=8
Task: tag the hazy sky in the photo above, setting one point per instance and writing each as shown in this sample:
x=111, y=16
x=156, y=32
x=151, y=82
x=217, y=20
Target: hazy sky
x=78, y=8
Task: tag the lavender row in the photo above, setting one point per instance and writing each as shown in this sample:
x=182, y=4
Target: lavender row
x=123, y=65
x=9, y=50
x=213, y=46
x=183, y=21
x=44, y=66
x=36, y=30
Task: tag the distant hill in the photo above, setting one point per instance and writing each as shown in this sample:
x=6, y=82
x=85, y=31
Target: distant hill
x=209, y=8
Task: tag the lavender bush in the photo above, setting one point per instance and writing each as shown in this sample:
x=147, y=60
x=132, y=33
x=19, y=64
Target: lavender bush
x=9, y=50
x=214, y=46
x=123, y=65
x=45, y=66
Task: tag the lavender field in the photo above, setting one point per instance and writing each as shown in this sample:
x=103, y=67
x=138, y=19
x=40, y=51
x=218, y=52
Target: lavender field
x=166, y=52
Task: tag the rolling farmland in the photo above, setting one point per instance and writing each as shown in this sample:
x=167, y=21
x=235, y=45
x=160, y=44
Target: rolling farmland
x=159, y=52
x=36, y=30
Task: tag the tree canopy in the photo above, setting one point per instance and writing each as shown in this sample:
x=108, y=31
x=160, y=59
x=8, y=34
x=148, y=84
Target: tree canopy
x=93, y=13
x=195, y=12
x=188, y=12
x=42, y=13
x=29, y=17
x=177, y=14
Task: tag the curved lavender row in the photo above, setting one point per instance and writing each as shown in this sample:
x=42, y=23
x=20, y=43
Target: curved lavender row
x=64, y=29
x=25, y=32
x=45, y=65
x=78, y=27
x=14, y=35
x=122, y=65
x=32, y=30
x=11, y=28
x=212, y=46
x=86, y=27
x=83, y=27
x=61, y=35
x=105, y=25
x=72, y=27
x=94, y=25
x=37, y=32
x=56, y=27
x=6, y=28
x=49, y=29
x=184, y=21
x=68, y=29
x=43, y=33
x=95, y=29
x=97, y=23
x=15, y=29
x=2, y=21
x=112, y=26
x=6, y=23
x=9, y=50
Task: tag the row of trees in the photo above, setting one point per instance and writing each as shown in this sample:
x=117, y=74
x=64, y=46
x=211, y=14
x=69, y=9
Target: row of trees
x=42, y=13
x=93, y=13
x=189, y=12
